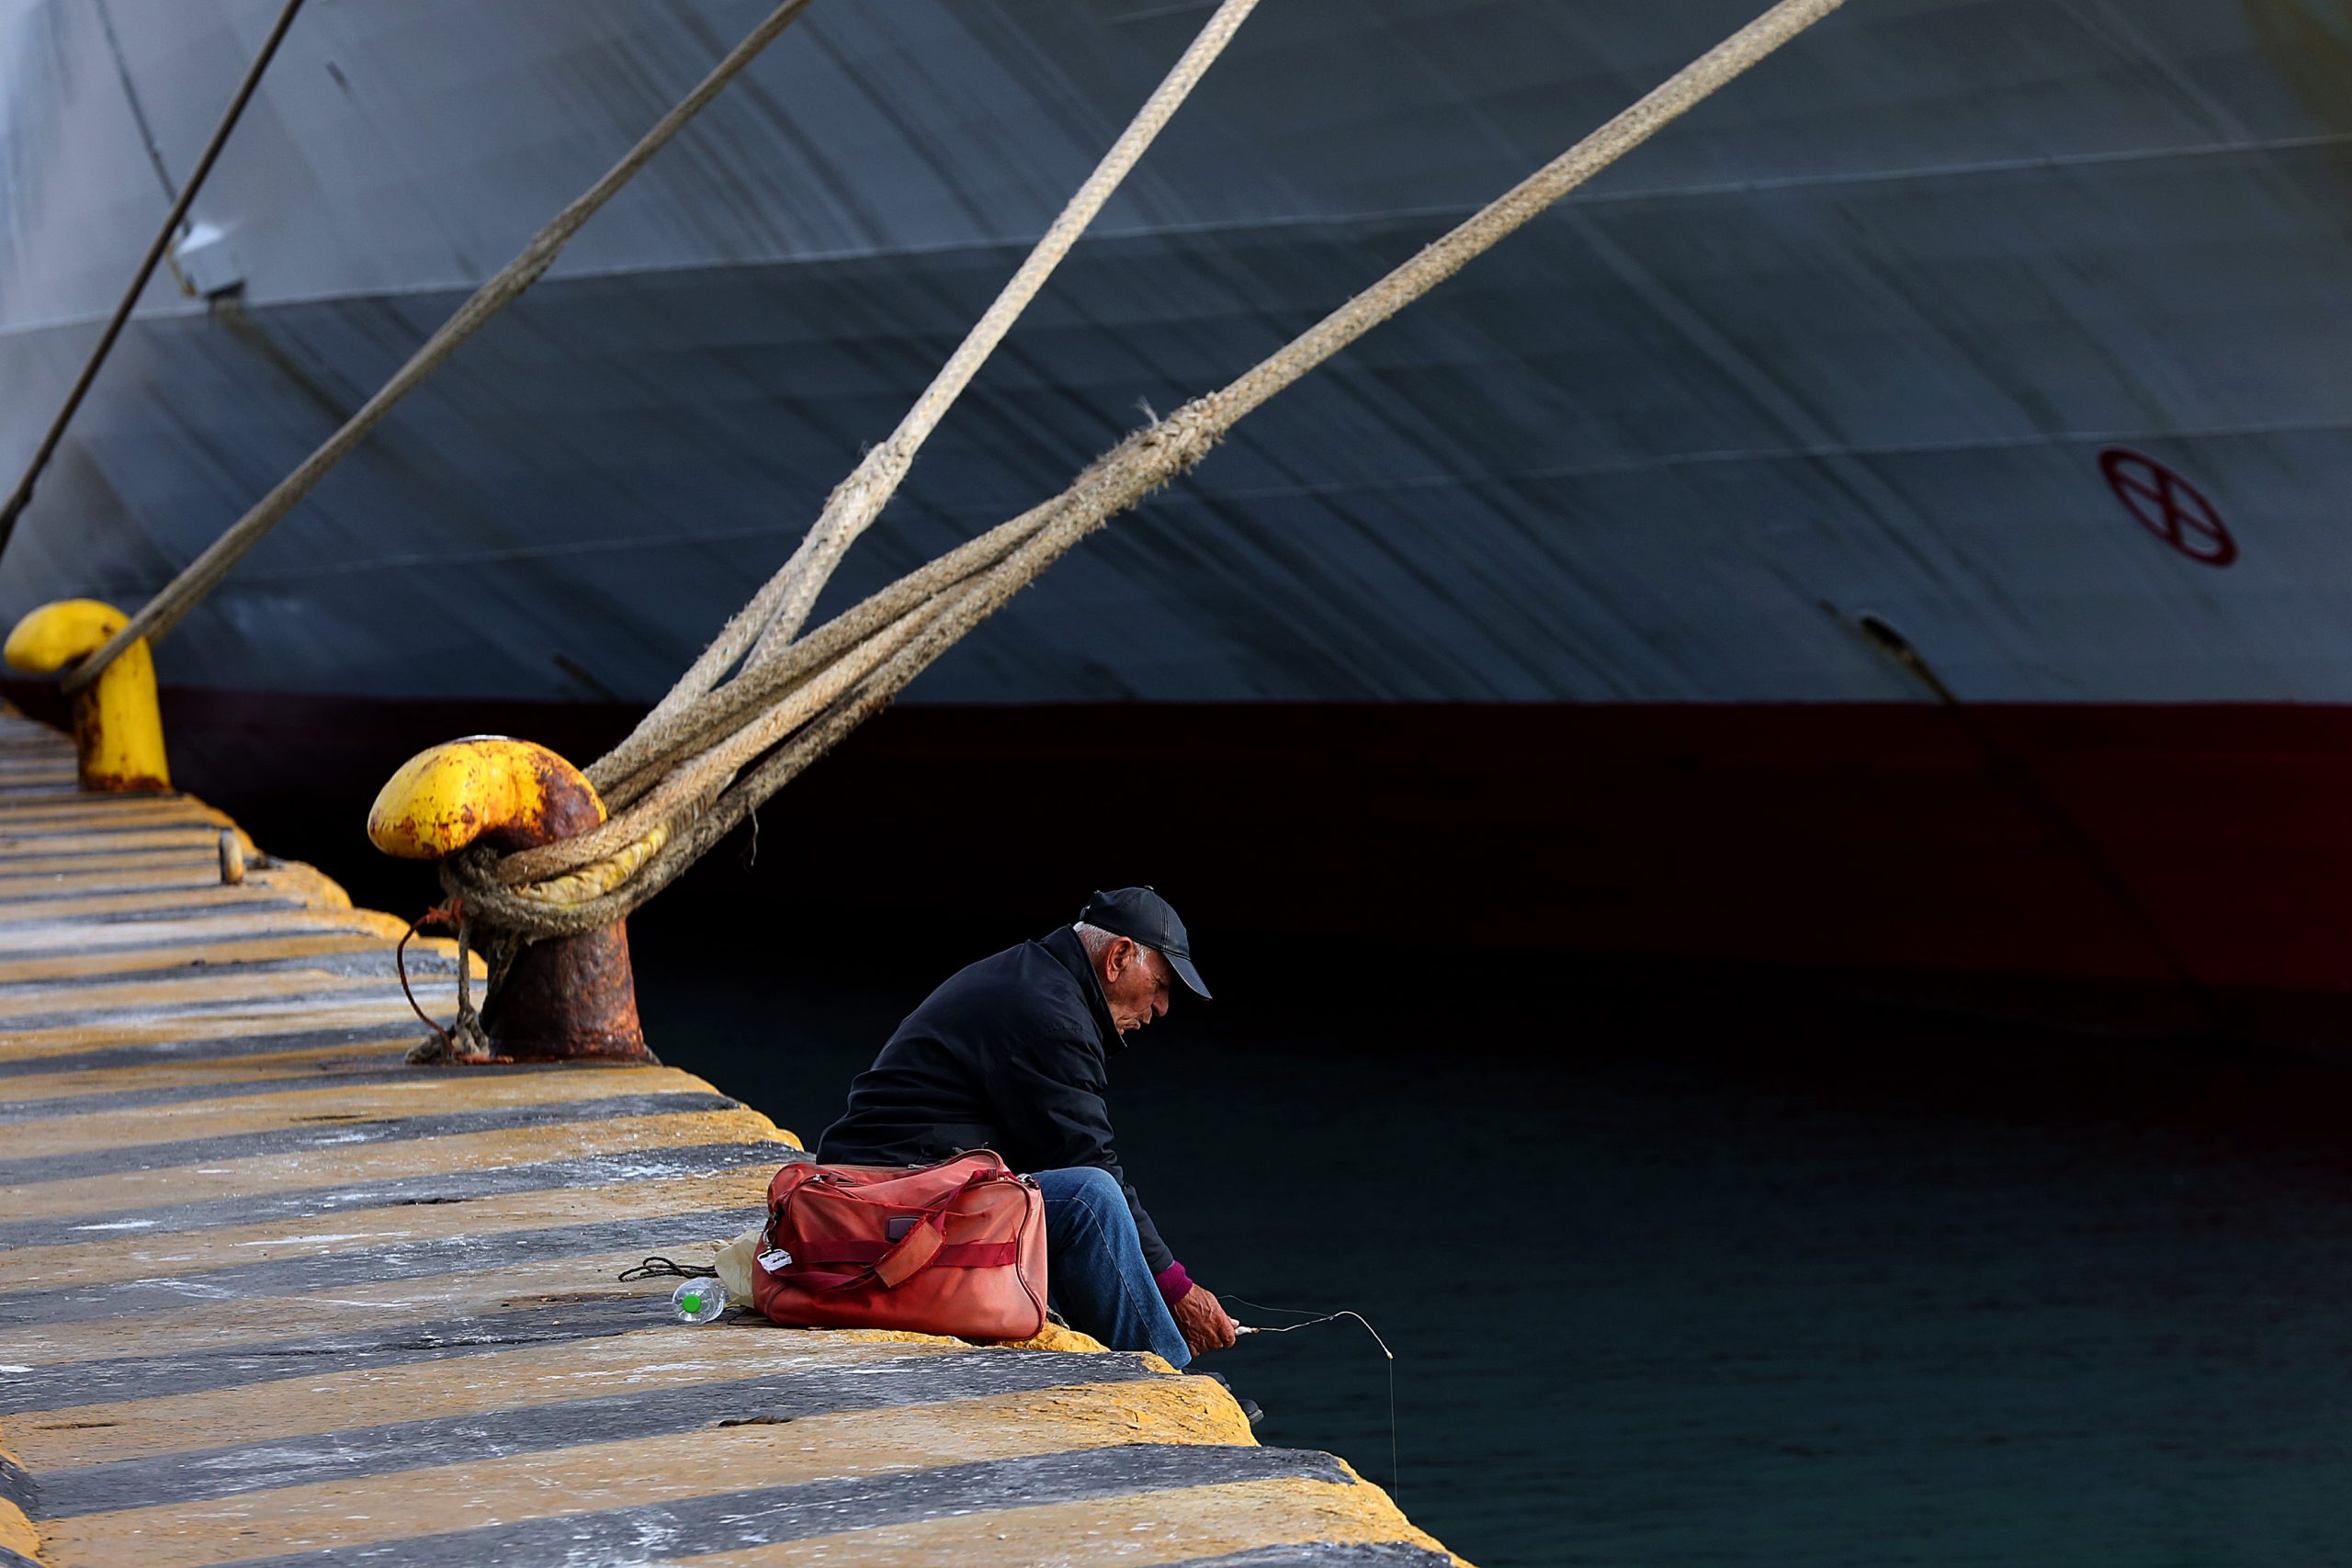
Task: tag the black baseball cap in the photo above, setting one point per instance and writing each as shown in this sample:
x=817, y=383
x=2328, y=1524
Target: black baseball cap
x=1140, y=915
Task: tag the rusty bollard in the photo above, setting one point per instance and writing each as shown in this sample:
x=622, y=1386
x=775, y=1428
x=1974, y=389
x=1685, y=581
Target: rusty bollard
x=564, y=998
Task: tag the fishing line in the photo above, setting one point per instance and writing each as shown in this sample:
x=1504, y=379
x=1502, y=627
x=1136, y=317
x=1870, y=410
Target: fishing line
x=1396, y=1481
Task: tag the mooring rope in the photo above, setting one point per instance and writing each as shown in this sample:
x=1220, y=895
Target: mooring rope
x=777, y=612
x=23, y=496
x=201, y=576
x=681, y=765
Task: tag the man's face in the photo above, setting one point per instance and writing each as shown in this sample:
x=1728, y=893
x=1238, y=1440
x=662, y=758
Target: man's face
x=1135, y=984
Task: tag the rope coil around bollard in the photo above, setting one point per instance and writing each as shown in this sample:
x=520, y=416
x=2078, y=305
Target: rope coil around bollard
x=681, y=771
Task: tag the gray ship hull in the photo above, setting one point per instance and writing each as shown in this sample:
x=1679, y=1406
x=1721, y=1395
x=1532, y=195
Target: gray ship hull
x=1909, y=324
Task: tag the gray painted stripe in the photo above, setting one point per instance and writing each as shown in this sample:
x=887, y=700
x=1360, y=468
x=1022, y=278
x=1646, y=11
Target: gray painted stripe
x=400, y=1260
x=18, y=1487
x=333, y=1073
x=740, y=1520
x=195, y=850
x=440, y=1187
x=69, y=1384
x=287, y=1004
x=336, y=1135
x=176, y=810
x=1326, y=1554
x=301, y=1076
x=193, y=909
x=491, y=1434
x=34, y=826
x=400, y=1033
x=27, y=837
x=15, y=1559
x=69, y=886
x=199, y=938
x=374, y=963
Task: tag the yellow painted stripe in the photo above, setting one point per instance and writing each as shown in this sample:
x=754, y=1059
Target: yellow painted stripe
x=299, y=880
x=133, y=811
x=357, y=1164
x=1137, y=1532
x=735, y=1196
x=197, y=931
x=37, y=844
x=669, y=1356
x=196, y=857
x=246, y=1021
x=27, y=834
x=80, y=965
x=90, y=837
x=17, y=1534
x=315, y=1062
x=427, y=1094
x=639, y=1472
x=202, y=896
x=151, y=996
x=20, y=884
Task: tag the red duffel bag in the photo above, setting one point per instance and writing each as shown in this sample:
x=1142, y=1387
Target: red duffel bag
x=958, y=1247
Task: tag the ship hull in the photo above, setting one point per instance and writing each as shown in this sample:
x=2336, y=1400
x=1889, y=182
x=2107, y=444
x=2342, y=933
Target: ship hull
x=1892, y=523
x=2169, y=868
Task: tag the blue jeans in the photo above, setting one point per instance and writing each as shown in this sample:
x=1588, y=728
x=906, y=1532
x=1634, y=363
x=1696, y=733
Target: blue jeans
x=1095, y=1269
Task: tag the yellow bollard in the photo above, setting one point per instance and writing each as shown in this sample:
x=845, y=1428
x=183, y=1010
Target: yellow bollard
x=117, y=729
x=564, y=997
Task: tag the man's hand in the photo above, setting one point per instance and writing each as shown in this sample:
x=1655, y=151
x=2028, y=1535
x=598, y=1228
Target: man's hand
x=1200, y=1318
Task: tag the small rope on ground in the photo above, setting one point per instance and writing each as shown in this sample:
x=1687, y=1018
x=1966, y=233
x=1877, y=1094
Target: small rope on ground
x=201, y=576
x=465, y=1040
x=660, y=1268
x=791, y=701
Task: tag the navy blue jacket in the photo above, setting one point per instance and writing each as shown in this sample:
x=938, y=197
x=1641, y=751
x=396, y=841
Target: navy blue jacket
x=1010, y=1054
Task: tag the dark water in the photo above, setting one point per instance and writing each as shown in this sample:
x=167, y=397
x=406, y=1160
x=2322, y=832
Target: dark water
x=1680, y=1275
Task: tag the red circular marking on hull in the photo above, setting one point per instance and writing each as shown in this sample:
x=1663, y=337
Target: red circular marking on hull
x=2168, y=506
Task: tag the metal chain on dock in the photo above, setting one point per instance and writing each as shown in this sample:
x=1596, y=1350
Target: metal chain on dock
x=201, y=576
x=680, y=774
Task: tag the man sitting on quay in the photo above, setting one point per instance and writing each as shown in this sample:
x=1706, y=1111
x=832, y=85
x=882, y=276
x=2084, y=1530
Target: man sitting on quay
x=1011, y=1054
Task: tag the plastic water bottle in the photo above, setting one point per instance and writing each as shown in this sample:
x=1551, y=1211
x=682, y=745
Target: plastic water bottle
x=699, y=1300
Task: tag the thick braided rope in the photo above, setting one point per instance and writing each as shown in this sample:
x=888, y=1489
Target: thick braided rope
x=686, y=788
x=201, y=576
x=777, y=612
x=600, y=876
x=474, y=876
x=619, y=772
x=1146, y=459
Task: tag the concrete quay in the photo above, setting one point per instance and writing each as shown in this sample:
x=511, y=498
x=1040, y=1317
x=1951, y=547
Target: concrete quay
x=270, y=1295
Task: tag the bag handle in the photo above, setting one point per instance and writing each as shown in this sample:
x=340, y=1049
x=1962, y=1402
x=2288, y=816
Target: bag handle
x=912, y=1253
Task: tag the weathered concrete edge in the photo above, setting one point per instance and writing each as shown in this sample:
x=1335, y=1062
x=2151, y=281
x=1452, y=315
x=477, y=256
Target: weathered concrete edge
x=19, y=1541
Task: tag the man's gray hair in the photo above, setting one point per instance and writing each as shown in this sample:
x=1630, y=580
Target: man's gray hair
x=1095, y=939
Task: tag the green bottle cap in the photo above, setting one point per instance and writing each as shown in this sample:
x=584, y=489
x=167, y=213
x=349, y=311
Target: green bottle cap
x=691, y=1301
